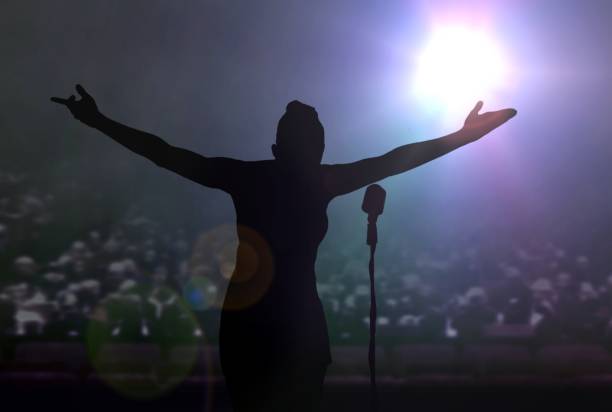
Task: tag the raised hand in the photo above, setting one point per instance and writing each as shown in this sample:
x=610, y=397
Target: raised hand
x=85, y=109
x=477, y=125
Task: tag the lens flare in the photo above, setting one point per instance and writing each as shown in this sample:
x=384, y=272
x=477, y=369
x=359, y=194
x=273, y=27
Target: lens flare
x=245, y=269
x=149, y=370
x=459, y=66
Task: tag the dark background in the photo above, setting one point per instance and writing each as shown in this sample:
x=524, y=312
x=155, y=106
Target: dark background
x=214, y=76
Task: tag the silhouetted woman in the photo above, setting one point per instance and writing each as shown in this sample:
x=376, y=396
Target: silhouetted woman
x=274, y=344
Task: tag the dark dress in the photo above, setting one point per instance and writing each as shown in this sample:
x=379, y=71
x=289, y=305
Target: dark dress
x=274, y=343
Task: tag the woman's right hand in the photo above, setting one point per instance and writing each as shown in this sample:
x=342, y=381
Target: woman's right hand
x=85, y=109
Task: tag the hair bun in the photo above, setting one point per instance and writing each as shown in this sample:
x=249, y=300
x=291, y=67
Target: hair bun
x=299, y=118
x=298, y=108
x=294, y=106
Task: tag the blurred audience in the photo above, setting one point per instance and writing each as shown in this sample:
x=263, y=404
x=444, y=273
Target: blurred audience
x=140, y=279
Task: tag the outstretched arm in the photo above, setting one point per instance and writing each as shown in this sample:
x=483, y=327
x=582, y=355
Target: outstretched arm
x=213, y=172
x=345, y=178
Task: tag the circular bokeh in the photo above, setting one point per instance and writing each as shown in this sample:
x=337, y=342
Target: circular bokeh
x=146, y=360
x=227, y=273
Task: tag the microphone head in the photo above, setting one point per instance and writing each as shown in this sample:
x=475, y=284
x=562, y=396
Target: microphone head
x=374, y=200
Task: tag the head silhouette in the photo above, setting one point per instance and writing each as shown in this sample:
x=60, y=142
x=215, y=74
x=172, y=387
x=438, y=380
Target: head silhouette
x=300, y=139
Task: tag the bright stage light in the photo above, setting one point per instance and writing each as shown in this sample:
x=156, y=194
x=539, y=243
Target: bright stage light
x=459, y=66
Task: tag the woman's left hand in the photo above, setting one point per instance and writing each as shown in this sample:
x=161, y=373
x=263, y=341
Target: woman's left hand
x=477, y=125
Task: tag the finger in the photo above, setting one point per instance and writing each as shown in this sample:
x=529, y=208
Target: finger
x=72, y=99
x=498, y=117
x=59, y=100
x=81, y=90
x=505, y=113
x=476, y=108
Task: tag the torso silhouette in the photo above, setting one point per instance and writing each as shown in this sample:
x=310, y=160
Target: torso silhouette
x=271, y=310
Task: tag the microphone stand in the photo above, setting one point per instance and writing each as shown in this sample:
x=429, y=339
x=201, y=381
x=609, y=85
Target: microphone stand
x=373, y=204
x=372, y=239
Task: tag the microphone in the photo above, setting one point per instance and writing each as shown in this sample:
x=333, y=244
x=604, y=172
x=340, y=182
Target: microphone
x=373, y=204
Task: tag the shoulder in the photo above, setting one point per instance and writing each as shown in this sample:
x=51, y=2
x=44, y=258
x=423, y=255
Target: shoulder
x=236, y=165
x=332, y=170
x=240, y=175
x=261, y=164
x=251, y=168
x=253, y=164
